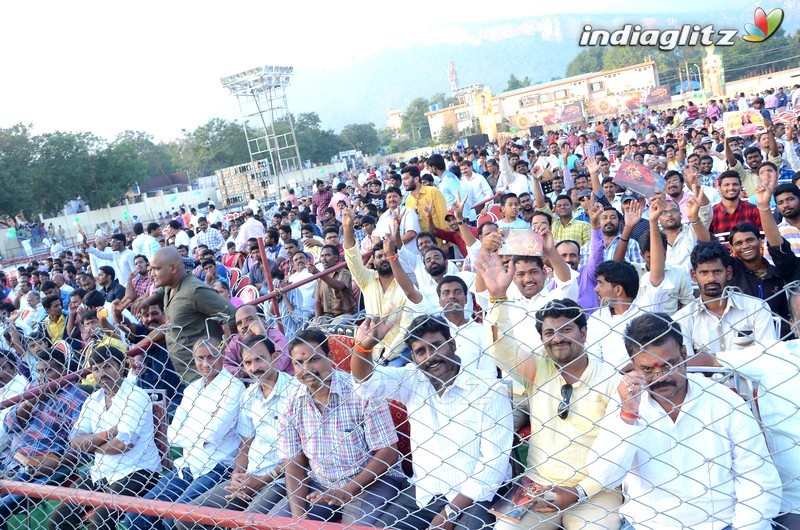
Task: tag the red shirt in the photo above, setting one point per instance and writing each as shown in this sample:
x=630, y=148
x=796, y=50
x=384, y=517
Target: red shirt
x=722, y=221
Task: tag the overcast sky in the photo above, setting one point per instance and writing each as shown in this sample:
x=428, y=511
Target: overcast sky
x=154, y=66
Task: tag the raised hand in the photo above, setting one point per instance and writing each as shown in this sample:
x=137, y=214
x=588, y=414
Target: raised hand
x=633, y=212
x=592, y=166
x=630, y=393
x=763, y=195
x=692, y=208
x=595, y=211
x=495, y=275
x=372, y=330
x=458, y=208
x=657, y=205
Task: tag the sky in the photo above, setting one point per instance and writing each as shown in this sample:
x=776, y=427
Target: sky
x=107, y=67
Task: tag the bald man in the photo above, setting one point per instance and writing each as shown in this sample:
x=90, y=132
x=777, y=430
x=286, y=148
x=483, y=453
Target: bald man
x=188, y=304
x=95, y=262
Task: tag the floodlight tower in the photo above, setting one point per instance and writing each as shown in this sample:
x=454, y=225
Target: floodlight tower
x=268, y=127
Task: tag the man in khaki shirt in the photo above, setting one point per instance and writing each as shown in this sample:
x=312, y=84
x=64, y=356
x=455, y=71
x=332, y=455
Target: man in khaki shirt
x=569, y=393
x=380, y=291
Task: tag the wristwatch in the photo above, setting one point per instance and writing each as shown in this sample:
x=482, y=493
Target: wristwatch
x=463, y=222
x=582, y=497
x=451, y=513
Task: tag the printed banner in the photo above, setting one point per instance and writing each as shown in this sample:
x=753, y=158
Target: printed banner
x=639, y=178
x=744, y=123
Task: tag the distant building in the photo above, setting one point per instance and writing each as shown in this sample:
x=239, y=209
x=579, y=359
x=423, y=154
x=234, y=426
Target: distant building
x=599, y=93
x=394, y=120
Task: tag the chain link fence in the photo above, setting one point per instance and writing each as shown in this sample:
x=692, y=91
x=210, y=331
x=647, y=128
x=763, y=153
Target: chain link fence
x=496, y=422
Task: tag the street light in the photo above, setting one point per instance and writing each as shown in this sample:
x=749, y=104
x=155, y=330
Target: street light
x=699, y=76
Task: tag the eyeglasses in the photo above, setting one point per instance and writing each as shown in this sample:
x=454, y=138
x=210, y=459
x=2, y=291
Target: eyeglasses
x=563, y=407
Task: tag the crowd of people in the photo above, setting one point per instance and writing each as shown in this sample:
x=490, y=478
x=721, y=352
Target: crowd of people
x=546, y=333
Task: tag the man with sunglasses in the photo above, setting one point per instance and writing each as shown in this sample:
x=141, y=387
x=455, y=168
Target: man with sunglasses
x=568, y=394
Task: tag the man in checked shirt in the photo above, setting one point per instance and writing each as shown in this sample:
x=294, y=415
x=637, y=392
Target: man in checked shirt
x=348, y=443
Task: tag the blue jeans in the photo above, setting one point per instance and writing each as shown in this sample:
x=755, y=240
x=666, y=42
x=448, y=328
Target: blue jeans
x=11, y=503
x=177, y=486
x=628, y=526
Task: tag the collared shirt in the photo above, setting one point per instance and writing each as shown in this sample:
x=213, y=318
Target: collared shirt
x=722, y=221
x=131, y=412
x=750, y=179
x=47, y=429
x=574, y=230
x=472, y=344
x=791, y=234
x=428, y=196
x=204, y=424
x=146, y=245
x=633, y=254
x=775, y=369
x=676, y=287
x=480, y=188
x=680, y=251
x=336, y=302
x=320, y=201
x=142, y=285
x=114, y=291
x=252, y=228
x=560, y=448
x=187, y=307
x=212, y=238
x=121, y=261
x=338, y=441
x=744, y=320
x=260, y=420
x=408, y=221
x=708, y=469
x=470, y=423
x=376, y=300
x=55, y=330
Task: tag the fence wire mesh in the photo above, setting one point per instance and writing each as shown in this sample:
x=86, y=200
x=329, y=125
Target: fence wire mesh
x=525, y=414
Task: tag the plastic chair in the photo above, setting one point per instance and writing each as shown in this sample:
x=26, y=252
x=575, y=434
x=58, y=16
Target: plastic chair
x=244, y=281
x=403, y=428
x=248, y=293
x=234, y=275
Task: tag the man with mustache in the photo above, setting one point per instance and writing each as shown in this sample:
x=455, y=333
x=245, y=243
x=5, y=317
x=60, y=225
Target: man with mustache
x=686, y=450
x=721, y=319
x=451, y=412
x=256, y=484
x=341, y=448
x=787, y=201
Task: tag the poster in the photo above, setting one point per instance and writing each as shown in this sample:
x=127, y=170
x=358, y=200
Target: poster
x=639, y=178
x=486, y=114
x=744, y=123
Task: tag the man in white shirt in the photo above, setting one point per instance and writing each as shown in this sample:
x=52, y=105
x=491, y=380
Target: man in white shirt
x=251, y=228
x=452, y=413
x=116, y=426
x=625, y=134
x=177, y=236
x=408, y=219
x=121, y=257
x=775, y=369
x=687, y=450
x=204, y=426
x=722, y=318
x=480, y=188
x=12, y=383
x=256, y=484
x=213, y=215
x=144, y=243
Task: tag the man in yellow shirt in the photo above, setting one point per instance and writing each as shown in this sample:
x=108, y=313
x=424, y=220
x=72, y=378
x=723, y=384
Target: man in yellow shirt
x=56, y=321
x=568, y=393
x=420, y=196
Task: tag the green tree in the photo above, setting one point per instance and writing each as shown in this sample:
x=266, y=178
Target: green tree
x=447, y=135
x=16, y=170
x=361, y=136
x=315, y=143
x=415, y=124
x=441, y=98
x=514, y=83
x=586, y=61
x=214, y=145
x=65, y=167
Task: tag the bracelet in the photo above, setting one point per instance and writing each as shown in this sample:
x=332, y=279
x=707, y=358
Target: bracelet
x=624, y=239
x=275, y=474
x=104, y=436
x=624, y=414
x=391, y=258
x=767, y=209
x=694, y=222
x=359, y=349
x=500, y=299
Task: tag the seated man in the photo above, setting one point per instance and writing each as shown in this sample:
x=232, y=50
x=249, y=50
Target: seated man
x=249, y=323
x=347, y=442
x=686, y=449
x=452, y=413
x=116, y=426
x=333, y=294
x=42, y=424
x=204, y=426
x=256, y=484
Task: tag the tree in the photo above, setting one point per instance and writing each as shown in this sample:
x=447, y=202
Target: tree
x=441, y=98
x=214, y=145
x=447, y=135
x=415, y=124
x=313, y=142
x=586, y=61
x=361, y=136
x=514, y=83
x=16, y=163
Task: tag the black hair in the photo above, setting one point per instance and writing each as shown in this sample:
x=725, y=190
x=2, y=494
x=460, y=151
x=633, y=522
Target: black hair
x=108, y=271
x=310, y=335
x=506, y=196
x=564, y=308
x=786, y=188
x=426, y=324
x=102, y=354
x=644, y=241
x=334, y=249
x=620, y=273
x=707, y=252
x=745, y=227
x=94, y=298
x=48, y=300
x=253, y=340
x=451, y=279
x=727, y=175
x=651, y=329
